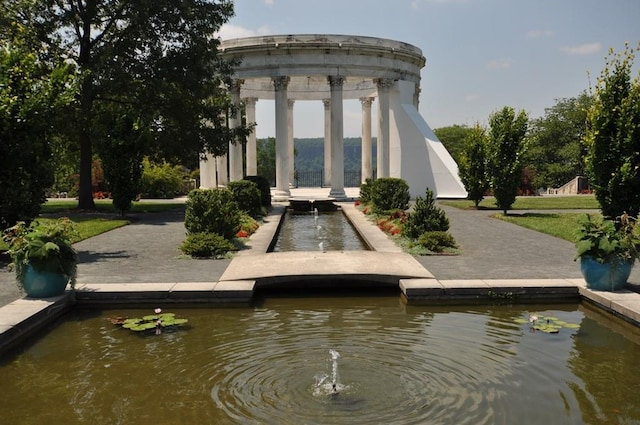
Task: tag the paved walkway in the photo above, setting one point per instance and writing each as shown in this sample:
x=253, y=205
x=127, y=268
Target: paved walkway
x=147, y=251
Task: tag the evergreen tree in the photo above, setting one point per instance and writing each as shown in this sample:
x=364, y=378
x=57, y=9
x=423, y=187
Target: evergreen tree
x=613, y=137
x=506, y=146
x=473, y=164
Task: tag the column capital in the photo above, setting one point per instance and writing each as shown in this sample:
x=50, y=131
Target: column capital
x=236, y=84
x=326, y=103
x=366, y=101
x=383, y=83
x=290, y=103
x=335, y=81
x=250, y=101
x=280, y=83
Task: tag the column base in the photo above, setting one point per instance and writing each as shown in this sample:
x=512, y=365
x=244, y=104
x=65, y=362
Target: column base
x=338, y=194
x=281, y=195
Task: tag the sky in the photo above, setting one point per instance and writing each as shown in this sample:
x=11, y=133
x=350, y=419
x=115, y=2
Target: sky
x=481, y=55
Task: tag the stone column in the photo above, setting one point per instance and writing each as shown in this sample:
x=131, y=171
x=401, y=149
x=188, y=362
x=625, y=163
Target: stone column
x=383, y=126
x=327, y=142
x=207, y=171
x=252, y=149
x=282, y=166
x=235, y=147
x=290, y=147
x=367, y=167
x=416, y=97
x=221, y=174
x=337, y=142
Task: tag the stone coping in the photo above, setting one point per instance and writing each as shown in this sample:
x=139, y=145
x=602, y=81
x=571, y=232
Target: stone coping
x=23, y=317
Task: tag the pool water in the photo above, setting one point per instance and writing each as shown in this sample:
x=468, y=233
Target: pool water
x=326, y=231
x=394, y=364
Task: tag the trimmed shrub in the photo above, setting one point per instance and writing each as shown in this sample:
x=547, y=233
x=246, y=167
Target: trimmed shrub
x=425, y=217
x=436, y=241
x=264, y=187
x=389, y=193
x=247, y=195
x=212, y=211
x=206, y=245
x=365, y=191
x=161, y=181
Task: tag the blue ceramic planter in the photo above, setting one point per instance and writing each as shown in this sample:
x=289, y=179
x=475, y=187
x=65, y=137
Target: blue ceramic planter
x=605, y=277
x=42, y=284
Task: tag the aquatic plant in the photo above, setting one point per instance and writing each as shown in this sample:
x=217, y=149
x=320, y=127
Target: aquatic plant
x=157, y=321
x=546, y=324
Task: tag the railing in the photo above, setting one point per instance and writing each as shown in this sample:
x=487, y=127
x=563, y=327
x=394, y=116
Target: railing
x=316, y=178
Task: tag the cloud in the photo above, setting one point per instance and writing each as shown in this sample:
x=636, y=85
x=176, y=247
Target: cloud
x=533, y=34
x=229, y=31
x=582, y=49
x=501, y=63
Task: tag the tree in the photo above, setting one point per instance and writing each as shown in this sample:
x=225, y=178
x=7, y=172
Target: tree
x=554, y=148
x=122, y=152
x=472, y=165
x=158, y=56
x=267, y=159
x=32, y=95
x=506, y=146
x=613, y=137
x=453, y=139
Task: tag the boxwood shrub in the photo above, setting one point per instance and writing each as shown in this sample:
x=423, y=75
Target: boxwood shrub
x=212, y=211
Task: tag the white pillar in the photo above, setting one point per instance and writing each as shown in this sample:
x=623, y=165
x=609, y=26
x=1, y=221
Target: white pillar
x=367, y=167
x=327, y=142
x=221, y=176
x=290, y=147
x=252, y=149
x=235, y=147
x=282, y=166
x=383, y=126
x=337, y=142
x=207, y=171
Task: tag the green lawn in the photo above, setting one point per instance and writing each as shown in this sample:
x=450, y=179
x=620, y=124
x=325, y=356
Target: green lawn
x=562, y=226
x=532, y=203
x=89, y=224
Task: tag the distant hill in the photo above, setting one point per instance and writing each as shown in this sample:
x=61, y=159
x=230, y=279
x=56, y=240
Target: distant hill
x=310, y=154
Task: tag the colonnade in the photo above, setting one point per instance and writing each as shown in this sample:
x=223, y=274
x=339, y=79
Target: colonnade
x=333, y=175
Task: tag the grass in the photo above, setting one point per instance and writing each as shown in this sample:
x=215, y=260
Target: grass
x=105, y=206
x=531, y=203
x=90, y=224
x=563, y=226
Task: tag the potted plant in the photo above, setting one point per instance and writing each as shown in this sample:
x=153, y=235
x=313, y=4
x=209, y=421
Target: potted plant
x=42, y=256
x=607, y=250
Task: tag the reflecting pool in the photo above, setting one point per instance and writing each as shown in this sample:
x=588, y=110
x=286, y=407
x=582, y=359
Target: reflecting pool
x=269, y=364
x=324, y=231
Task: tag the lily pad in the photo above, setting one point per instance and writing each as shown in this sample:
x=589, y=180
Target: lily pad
x=546, y=324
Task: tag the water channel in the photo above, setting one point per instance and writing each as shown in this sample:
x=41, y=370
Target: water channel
x=272, y=363
x=317, y=231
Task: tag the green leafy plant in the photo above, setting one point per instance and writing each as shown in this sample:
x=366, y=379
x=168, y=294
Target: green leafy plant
x=546, y=324
x=425, y=217
x=613, y=131
x=607, y=240
x=436, y=241
x=389, y=193
x=46, y=247
x=264, y=187
x=206, y=245
x=157, y=321
x=247, y=195
x=212, y=211
x=162, y=181
x=365, y=191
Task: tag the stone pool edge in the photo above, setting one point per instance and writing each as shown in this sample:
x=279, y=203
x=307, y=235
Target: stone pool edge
x=22, y=318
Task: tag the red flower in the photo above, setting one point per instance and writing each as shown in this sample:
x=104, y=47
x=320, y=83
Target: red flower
x=241, y=234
